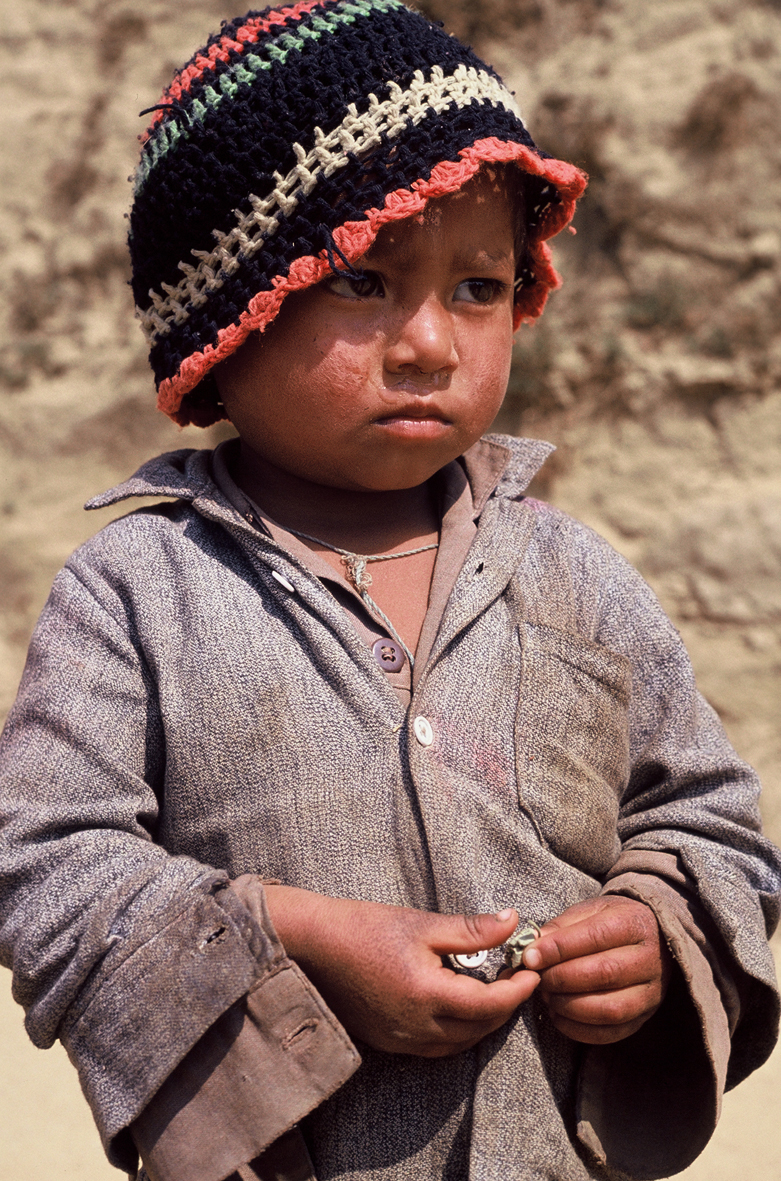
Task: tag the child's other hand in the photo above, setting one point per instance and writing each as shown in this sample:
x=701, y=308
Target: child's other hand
x=604, y=968
x=380, y=970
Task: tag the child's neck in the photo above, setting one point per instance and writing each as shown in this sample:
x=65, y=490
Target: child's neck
x=364, y=522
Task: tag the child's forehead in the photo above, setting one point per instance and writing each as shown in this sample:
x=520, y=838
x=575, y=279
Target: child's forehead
x=477, y=221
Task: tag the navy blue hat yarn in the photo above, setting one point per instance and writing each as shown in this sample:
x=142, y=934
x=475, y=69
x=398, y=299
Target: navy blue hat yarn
x=282, y=148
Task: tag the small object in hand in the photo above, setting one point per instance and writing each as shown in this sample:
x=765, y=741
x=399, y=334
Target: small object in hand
x=470, y=959
x=516, y=945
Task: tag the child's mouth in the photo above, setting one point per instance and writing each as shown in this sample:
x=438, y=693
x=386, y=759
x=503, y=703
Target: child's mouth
x=411, y=424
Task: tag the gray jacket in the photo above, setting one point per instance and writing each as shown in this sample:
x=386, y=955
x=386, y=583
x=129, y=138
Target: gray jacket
x=185, y=718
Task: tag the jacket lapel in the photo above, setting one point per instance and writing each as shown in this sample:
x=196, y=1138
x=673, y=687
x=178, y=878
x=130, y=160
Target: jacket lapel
x=488, y=568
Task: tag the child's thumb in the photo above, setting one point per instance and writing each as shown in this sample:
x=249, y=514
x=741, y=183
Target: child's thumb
x=458, y=933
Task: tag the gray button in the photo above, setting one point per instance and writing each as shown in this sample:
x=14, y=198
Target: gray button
x=389, y=655
x=423, y=732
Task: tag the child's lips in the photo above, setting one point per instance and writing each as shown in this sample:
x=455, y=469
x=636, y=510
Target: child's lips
x=415, y=423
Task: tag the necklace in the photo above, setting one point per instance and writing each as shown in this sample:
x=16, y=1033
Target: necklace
x=356, y=573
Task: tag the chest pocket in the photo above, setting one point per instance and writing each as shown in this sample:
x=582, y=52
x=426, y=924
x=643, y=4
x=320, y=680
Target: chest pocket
x=572, y=744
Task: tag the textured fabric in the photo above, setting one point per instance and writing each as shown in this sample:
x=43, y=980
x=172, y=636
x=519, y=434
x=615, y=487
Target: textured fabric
x=279, y=151
x=282, y=1032
x=181, y=711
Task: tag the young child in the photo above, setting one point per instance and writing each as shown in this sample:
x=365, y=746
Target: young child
x=351, y=705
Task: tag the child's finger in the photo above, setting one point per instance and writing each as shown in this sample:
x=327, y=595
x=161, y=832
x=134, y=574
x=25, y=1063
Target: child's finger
x=459, y=1016
x=596, y=1035
x=620, y=967
x=452, y=1039
x=609, y=927
x=617, y=1008
x=455, y=1032
x=450, y=934
x=467, y=999
x=600, y=1019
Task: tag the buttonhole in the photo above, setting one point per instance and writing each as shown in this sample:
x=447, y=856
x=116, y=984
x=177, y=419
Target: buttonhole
x=215, y=937
x=300, y=1033
x=480, y=568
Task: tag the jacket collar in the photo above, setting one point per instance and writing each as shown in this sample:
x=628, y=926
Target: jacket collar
x=502, y=465
x=499, y=465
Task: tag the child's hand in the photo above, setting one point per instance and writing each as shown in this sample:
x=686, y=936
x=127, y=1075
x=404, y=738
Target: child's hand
x=380, y=970
x=604, y=968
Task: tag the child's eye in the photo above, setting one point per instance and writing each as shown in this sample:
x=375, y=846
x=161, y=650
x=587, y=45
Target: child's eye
x=364, y=286
x=478, y=290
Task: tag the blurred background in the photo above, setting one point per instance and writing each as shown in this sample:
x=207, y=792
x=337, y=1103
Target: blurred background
x=656, y=370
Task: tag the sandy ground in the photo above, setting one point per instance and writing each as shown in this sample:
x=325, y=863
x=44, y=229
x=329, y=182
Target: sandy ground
x=46, y=1130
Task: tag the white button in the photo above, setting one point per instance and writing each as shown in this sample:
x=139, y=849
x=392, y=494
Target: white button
x=474, y=959
x=283, y=581
x=423, y=731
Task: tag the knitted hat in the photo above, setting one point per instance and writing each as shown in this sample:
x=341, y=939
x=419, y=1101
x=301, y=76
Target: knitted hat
x=280, y=150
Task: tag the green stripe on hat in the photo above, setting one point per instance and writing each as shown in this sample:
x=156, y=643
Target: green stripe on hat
x=246, y=69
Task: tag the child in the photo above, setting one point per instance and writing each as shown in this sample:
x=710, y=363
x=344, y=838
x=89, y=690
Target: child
x=352, y=705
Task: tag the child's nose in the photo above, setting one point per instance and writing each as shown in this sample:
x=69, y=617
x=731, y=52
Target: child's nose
x=423, y=341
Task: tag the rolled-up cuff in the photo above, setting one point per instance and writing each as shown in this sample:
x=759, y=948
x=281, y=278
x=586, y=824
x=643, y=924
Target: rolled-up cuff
x=159, y=999
x=265, y=1063
x=670, y=1074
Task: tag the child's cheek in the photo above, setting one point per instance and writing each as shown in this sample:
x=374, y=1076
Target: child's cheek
x=341, y=382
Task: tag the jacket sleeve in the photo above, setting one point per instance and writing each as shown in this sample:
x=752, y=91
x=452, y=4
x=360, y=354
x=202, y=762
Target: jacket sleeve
x=126, y=953
x=691, y=848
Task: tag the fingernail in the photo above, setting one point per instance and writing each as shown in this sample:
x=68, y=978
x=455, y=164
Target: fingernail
x=531, y=958
x=504, y=915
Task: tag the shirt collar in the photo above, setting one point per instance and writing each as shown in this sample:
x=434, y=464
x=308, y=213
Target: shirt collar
x=496, y=464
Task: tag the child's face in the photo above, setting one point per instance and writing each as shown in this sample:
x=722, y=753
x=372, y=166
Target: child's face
x=376, y=384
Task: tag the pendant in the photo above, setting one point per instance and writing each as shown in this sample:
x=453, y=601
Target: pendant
x=356, y=571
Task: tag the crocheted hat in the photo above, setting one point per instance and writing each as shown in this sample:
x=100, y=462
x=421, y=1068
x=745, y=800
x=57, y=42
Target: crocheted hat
x=281, y=149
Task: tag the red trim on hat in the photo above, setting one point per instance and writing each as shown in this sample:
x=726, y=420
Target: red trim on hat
x=220, y=51
x=354, y=239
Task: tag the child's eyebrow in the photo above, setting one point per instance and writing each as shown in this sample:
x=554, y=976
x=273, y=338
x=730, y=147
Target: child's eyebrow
x=478, y=258
x=463, y=259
